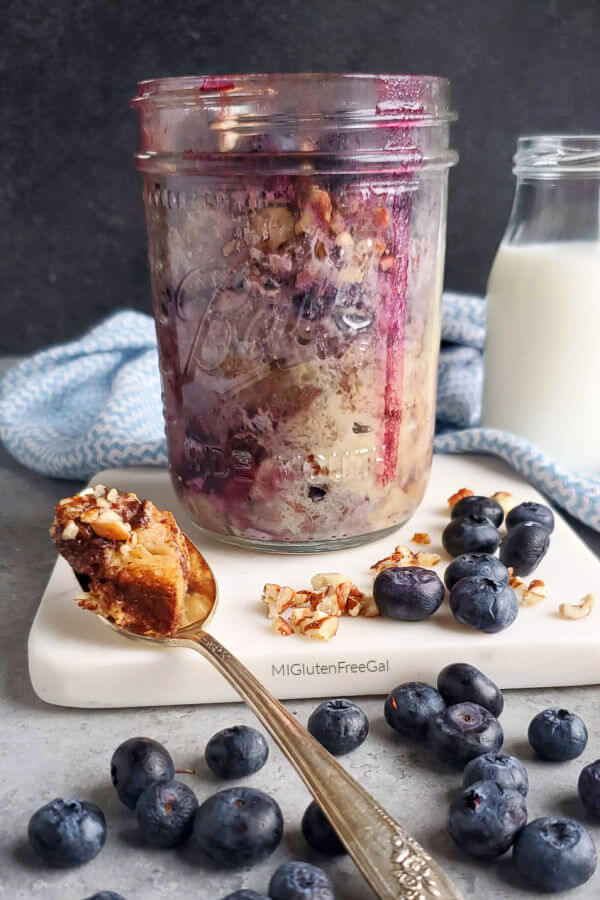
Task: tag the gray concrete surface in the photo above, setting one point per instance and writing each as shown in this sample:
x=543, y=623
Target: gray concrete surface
x=49, y=751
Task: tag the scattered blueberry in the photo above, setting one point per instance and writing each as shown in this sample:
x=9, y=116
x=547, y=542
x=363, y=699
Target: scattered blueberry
x=588, y=787
x=67, y=832
x=300, y=881
x=507, y=771
x=340, y=725
x=557, y=734
x=165, y=813
x=316, y=493
x=311, y=305
x=459, y=682
x=244, y=894
x=137, y=763
x=524, y=547
x=531, y=512
x=462, y=732
x=106, y=895
x=318, y=833
x=470, y=564
x=411, y=593
x=409, y=707
x=484, y=604
x=479, y=506
x=485, y=817
x=235, y=752
x=238, y=827
x=470, y=534
x=554, y=854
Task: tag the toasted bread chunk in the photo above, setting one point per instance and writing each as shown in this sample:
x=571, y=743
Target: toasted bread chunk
x=131, y=557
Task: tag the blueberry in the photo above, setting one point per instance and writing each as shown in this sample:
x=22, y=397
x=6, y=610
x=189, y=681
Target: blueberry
x=235, y=752
x=479, y=506
x=507, y=771
x=588, y=787
x=410, y=593
x=106, y=895
x=484, y=604
x=245, y=895
x=554, y=854
x=524, y=547
x=137, y=763
x=470, y=534
x=460, y=681
x=165, y=813
x=485, y=817
x=340, y=725
x=300, y=881
x=531, y=512
x=318, y=833
x=557, y=734
x=238, y=827
x=313, y=306
x=409, y=707
x=67, y=832
x=463, y=731
x=316, y=493
x=470, y=564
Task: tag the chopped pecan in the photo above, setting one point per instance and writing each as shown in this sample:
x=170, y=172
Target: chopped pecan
x=506, y=500
x=580, y=611
x=280, y=626
x=421, y=537
x=463, y=492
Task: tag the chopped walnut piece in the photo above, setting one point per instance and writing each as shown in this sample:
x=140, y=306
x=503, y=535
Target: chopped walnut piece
x=421, y=537
x=70, y=531
x=111, y=526
x=319, y=626
x=298, y=615
x=580, y=611
x=280, y=626
x=274, y=226
x=89, y=516
x=99, y=490
x=321, y=201
x=534, y=594
x=113, y=495
x=427, y=559
x=506, y=500
x=324, y=580
x=516, y=582
x=277, y=599
x=320, y=251
x=386, y=263
x=463, y=492
x=368, y=608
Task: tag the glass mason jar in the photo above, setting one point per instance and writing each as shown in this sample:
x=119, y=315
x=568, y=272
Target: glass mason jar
x=542, y=366
x=296, y=228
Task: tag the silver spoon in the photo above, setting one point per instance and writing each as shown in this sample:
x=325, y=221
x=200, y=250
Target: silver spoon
x=393, y=863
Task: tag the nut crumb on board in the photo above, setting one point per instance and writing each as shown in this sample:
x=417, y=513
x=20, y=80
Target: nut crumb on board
x=506, y=500
x=421, y=537
x=534, y=593
x=578, y=611
x=459, y=495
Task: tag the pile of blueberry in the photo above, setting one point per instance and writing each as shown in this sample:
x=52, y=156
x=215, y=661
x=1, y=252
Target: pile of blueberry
x=459, y=724
x=478, y=581
x=234, y=828
x=240, y=826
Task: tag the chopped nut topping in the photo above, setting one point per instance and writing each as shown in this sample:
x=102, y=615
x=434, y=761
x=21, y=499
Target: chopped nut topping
x=506, y=500
x=274, y=226
x=298, y=615
x=101, y=503
x=421, y=537
x=113, y=495
x=515, y=582
x=368, y=608
x=404, y=556
x=580, y=611
x=427, y=559
x=109, y=525
x=321, y=201
x=324, y=580
x=380, y=216
x=70, y=531
x=280, y=626
x=534, y=594
x=319, y=626
x=99, y=490
x=386, y=263
x=463, y=492
x=320, y=251
x=277, y=598
x=89, y=515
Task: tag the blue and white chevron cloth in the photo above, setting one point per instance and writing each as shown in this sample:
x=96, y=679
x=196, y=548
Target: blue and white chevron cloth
x=95, y=403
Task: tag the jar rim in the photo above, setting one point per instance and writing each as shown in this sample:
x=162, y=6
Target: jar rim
x=556, y=155
x=399, y=97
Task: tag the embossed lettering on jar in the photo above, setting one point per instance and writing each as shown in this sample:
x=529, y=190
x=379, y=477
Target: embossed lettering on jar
x=295, y=229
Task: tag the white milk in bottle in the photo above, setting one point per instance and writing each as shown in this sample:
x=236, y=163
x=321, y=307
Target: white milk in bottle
x=542, y=356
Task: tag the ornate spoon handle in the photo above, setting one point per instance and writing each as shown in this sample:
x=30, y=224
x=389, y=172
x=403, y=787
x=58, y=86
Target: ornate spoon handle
x=394, y=864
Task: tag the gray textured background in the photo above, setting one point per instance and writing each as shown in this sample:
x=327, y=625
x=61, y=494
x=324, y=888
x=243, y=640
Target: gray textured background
x=72, y=229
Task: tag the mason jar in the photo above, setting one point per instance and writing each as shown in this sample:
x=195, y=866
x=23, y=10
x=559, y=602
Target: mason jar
x=542, y=366
x=296, y=228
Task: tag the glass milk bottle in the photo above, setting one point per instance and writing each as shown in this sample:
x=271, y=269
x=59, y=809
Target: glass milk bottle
x=542, y=356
